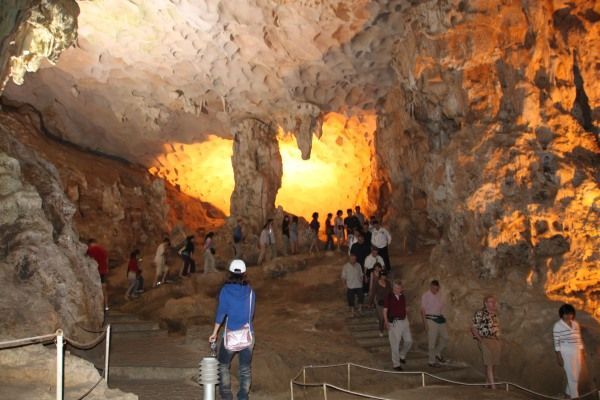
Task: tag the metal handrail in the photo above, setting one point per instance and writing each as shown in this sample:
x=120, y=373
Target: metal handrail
x=423, y=374
x=61, y=340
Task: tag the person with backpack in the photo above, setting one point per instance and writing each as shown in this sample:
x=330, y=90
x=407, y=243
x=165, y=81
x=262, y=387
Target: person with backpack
x=235, y=309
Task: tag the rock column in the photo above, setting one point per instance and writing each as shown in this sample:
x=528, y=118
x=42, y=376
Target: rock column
x=257, y=170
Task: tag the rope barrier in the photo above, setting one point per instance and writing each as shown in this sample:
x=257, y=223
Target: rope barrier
x=27, y=341
x=85, y=346
x=324, y=385
x=90, y=390
x=59, y=338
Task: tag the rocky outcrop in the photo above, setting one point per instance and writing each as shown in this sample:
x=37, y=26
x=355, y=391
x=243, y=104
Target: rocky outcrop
x=48, y=283
x=32, y=31
x=257, y=170
x=485, y=148
x=30, y=373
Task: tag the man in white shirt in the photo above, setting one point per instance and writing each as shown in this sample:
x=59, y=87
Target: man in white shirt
x=352, y=276
x=381, y=239
x=432, y=315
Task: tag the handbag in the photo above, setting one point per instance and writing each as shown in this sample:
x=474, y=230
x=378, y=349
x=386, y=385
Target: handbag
x=239, y=339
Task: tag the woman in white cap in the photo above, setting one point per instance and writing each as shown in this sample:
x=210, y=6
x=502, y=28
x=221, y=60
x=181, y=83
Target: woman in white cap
x=236, y=308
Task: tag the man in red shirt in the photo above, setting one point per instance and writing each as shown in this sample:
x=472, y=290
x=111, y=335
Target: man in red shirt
x=396, y=323
x=99, y=254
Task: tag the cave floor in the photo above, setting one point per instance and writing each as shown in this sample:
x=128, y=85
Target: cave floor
x=301, y=319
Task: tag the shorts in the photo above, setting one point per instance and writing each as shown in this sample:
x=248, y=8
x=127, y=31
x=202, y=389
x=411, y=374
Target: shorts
x=490, y=350
x=351, y=293
x=103, y=279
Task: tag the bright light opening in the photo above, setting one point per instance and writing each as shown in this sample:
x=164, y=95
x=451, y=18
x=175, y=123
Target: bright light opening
x=336, y=176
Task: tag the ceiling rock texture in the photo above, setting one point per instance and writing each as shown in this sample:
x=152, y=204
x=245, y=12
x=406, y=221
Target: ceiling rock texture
x=488, y=114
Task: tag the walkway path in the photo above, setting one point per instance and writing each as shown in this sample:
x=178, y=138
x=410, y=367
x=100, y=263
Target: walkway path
x=146, y=361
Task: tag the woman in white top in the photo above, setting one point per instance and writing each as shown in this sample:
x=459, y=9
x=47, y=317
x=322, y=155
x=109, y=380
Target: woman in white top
x=209, y=251
x=569, y=347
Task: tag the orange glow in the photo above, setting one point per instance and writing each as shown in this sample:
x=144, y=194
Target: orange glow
x=336, y=176
x=338, y=172
x=202, y=170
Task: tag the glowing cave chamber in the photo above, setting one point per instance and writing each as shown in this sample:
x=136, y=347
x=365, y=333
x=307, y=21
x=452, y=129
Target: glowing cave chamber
x=336, y=176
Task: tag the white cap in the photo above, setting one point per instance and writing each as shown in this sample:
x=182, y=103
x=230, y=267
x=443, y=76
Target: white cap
x=237, y=267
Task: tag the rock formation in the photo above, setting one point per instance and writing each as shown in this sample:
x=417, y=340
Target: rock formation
x=33, y=31
x=29, y=372
x=48, y=283
x=496, y=163
x=257, y=170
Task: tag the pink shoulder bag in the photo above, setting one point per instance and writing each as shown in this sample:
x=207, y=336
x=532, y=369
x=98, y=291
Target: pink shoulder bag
x=240, y=339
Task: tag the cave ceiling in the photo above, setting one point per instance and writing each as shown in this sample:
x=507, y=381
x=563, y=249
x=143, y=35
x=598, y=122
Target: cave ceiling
x=144, y=73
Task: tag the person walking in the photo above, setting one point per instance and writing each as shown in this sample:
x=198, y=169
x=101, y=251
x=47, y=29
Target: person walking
x=187, y=254
x=160, y=261
x=294, y=235
x=369, y=262
x=568, y=346
x=360, y=216
x=209, y=253
x=432, y=316
x=100, y=255
x=380, y=289
x=339, y=230
x=381, y=239
x=396, y=323
x=314, y=233
x=133, y=271
x=285, y=233
x=237, y=236
x=486, y=330
x=329, y=232
x=352, y=276
x=265, y=240
x=351, y=224
x=236, y=307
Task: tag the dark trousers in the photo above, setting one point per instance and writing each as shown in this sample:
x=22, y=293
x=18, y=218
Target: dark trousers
x=189, y=265
x=383, y=252
x=329, y=244
x=244, y=372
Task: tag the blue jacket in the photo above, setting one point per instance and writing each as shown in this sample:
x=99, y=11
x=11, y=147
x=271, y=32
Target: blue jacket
x=234, y=303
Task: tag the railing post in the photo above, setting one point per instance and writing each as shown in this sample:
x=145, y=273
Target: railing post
x=349, y=381
x=107, y=354
x=507, y=386
x=291, y=389
x=325, y=391
x=422, y=379
x=59, y=364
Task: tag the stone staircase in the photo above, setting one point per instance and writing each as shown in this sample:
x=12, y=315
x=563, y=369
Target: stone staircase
x=146, y=361
x=365, y=331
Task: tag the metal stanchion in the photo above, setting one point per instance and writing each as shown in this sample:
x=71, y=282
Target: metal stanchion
x=107, y=354
x=209, y=373
x=349, y=376
x=60, y=362
x=422, y=379
x=325, y=391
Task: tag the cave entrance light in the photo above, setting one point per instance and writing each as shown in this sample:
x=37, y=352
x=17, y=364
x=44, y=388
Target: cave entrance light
x=336, y=176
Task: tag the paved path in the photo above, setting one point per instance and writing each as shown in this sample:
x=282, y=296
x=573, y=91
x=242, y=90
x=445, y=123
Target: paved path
x=146, y=361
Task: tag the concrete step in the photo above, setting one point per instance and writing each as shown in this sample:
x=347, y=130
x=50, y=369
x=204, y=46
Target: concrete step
x=117, y=316
x=152, y=373
x=373, y=342
x=366, y=327
x=139, y=334
x=365, y=334
x=135, y=326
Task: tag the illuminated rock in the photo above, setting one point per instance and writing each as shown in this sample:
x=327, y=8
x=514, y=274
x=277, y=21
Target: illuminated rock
x=257, y=169
x=37, y=31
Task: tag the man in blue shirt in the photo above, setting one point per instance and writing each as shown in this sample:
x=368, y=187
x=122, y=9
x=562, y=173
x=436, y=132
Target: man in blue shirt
x=236, y=305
